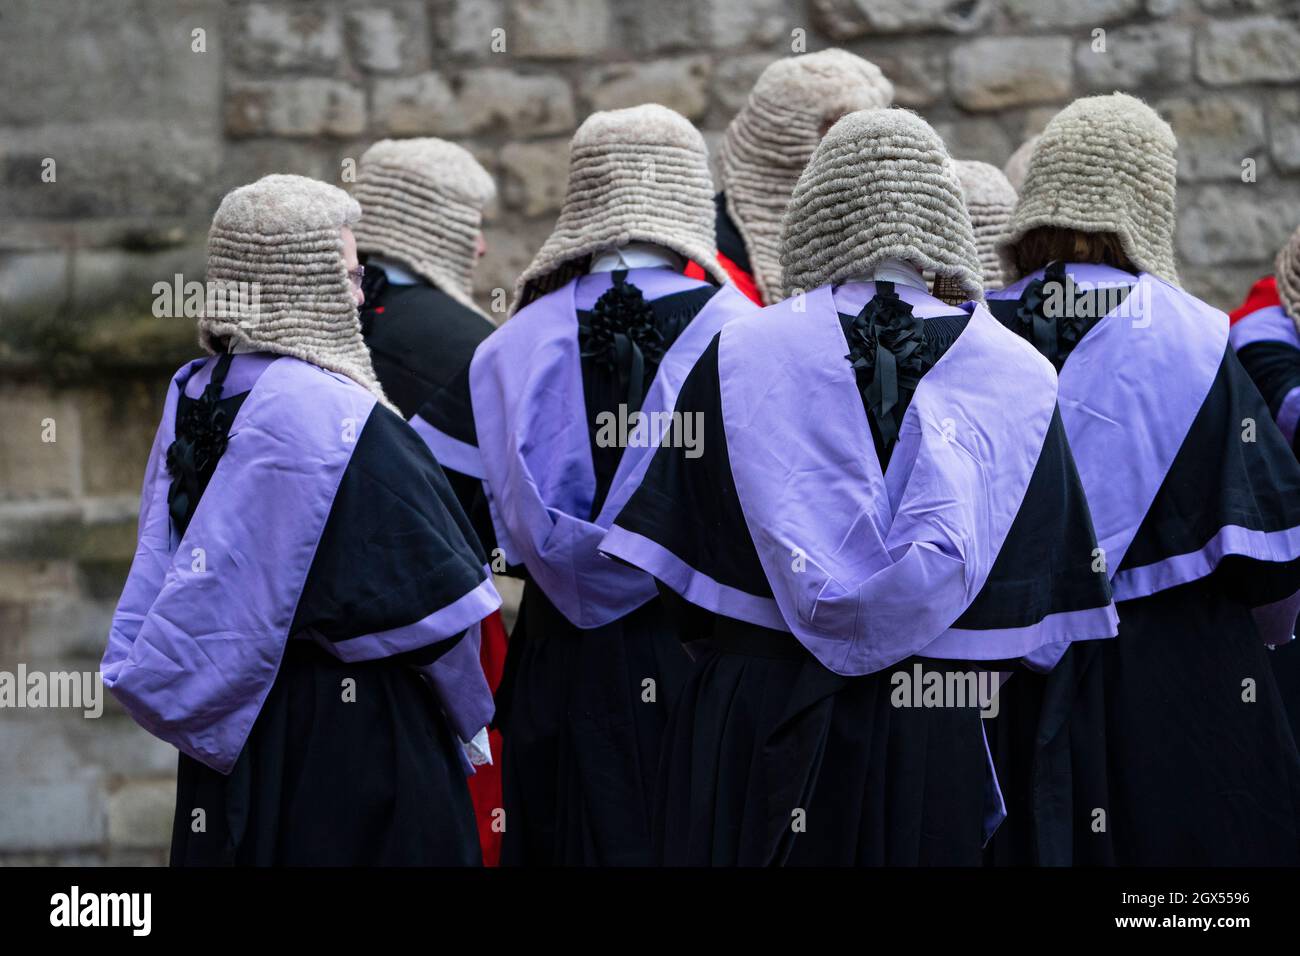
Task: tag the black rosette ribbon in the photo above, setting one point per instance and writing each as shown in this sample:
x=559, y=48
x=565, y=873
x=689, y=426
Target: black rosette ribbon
x=1054, y=335
x=622, y=337
x=888, y=355
x=201, y=435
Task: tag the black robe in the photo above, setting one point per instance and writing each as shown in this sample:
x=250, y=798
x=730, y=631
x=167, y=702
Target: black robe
x=581, y=735
x=764, y=729
x=1274, y=367
x=1142, y=750
x=421, y=341
x=378, y=779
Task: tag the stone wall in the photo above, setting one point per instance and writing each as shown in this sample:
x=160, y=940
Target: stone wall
x=123, y=124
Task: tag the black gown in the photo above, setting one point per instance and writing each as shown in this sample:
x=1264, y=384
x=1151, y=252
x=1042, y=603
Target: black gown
x=421, y=341
x=377, y=780
x=1274, y=367
x=581, y=733
x=765, y=730
x=1141, y=750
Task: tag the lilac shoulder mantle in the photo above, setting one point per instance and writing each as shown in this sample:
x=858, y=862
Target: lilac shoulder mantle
x=534, y=448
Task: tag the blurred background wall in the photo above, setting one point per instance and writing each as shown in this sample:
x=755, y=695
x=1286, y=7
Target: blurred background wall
x=145, y=123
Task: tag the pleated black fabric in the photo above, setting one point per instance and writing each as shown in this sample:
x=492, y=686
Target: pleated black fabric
x=764, y=731
x=1146, y=749
x=1274, y=367
x=773, y=760
x=582, y=715
x=582, y=712
x=326, y=782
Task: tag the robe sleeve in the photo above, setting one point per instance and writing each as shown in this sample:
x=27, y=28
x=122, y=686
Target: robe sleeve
x=1275, y=369
x=1049, y=577
x=1228, y=507
x=684, y=524
x=446, y=424
x=398, y=569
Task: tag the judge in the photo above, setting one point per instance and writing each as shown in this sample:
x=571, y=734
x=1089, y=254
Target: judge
x=885, y=498
x=990, y=200
x=569, y=396
x=1263, y=334
x=301, y=616
x=1169, y=745
x=420, y=237
x=766, y=147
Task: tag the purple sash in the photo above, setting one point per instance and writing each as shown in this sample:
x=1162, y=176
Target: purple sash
x=200, y=629
x=1124, y=428
x=1271, y=324
x=530, y=417
x=869, y=568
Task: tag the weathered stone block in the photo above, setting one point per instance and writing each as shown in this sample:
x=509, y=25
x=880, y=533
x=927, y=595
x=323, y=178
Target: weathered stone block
x=128, y=279
x=466, y=26
x=918, y=72
x=117, y=432
x=1245, y=223
x=111, y=168
x=680, y=84
x=1224, y=287
x=1159, y=54
x=388, y=39
x=289, y=37
x=559, y=29
x=1245, y=6
x=996, y=72
x=119, y=746
x=1284, y=130
x=845, y=19
x=1215, y=133
x=140, y=814
x=733, y=79
x=1069, y=13
x=89, y=62
x=31, y=464
x=525, y=104
x=45, y=815
x=509, y=251
x=413, y=106
x=536, y=175
x=481, y=99
x=1249, y=50
x=301, y=107
x=36, y=282
x=665, y=26
x=247, y=160
x=737, y=23
x=976, y=138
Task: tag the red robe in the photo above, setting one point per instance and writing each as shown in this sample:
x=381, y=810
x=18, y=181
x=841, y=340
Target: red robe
x=743, y=280
x=485, y=785
x=1262, y=294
